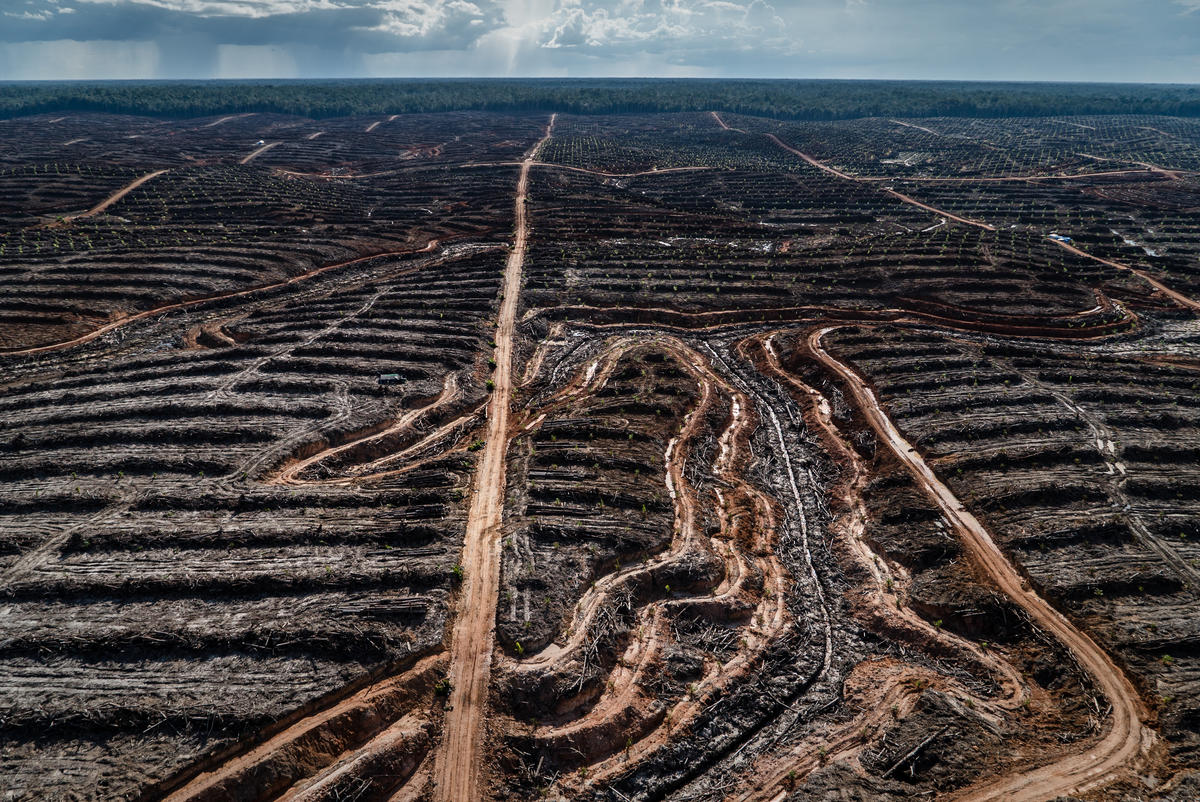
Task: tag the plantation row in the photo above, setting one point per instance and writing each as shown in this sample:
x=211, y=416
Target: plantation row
x=596, y=251
x=139, y=488
x=958, y=148
x=297, y=143
x=200, y=232
x=1146, y=221
x=627, y=144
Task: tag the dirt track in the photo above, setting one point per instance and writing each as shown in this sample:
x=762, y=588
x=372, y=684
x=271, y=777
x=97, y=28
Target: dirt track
x=258, y=153
x=722, y=123
x=1126, y=739
x=116, y=196
x=892, y=192
x=158, y=310
x=456, y=770
x=1158, y=285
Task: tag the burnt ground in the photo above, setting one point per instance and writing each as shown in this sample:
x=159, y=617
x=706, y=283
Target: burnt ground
x=232, y=560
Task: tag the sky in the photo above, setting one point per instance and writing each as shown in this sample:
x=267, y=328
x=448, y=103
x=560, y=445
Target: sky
x=1039, y=40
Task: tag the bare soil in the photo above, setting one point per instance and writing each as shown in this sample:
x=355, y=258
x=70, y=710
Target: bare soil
x=631, y=457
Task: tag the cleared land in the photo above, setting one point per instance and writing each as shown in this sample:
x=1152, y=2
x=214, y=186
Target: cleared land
x=721, y=458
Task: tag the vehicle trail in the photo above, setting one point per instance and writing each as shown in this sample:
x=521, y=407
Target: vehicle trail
x=1174, y=175
x=914, y=125
x=215, y=123
x=116, y=196
x=457, y=763
x=1126, y=739
x=158, y=310
x=725, y=125
x=252, y=156
x=573, y=169
x=1158, y=285
x=1004, y=178
x=347, y=723
x=859, y=179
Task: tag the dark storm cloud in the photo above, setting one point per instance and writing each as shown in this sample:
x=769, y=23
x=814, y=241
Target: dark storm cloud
x=1104, y=40
x=368, y=27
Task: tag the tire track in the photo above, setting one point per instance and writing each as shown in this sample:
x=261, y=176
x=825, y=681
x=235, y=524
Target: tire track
x=456, y=767
x=1126, y=739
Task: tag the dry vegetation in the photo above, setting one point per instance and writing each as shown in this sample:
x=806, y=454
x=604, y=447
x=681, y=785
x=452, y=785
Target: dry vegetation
x=824, y=472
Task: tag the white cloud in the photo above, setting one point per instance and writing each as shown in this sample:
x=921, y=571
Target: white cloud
x=664, y=24
x=254, y=9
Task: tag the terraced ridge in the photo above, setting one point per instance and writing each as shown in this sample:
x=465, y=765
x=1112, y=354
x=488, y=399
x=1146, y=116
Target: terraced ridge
x=212, y=225
x=979, y=148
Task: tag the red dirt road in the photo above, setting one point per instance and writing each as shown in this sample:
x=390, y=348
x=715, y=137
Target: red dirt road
x=892, y=192
x=158, y=310
x=1126, y=738
x=456, y=768
x=1158, y=285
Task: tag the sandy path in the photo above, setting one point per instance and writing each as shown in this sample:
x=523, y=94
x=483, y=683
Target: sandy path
x=120, y=193
x=1005, y=178
x=553, y=166
x=622, y=175
x=300, y=741
x=290, y=474
x=215, y=123
x=1126, y=738
x=1174, y=175
x=913, y=125
x=456, y=768
x=258, y=153
x=723, y=124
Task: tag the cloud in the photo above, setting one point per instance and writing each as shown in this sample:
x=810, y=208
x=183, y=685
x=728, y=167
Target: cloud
x=661, y=25
x=374, y=26
x=1098, y=40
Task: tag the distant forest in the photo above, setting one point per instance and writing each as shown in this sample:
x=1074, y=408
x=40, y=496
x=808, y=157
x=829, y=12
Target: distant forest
x=786, y=99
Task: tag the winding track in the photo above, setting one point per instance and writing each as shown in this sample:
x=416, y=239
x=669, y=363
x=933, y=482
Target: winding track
x=456, y=769
x=1126, y=739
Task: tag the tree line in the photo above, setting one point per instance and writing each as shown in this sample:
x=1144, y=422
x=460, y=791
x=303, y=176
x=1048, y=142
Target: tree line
x=781, y=99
